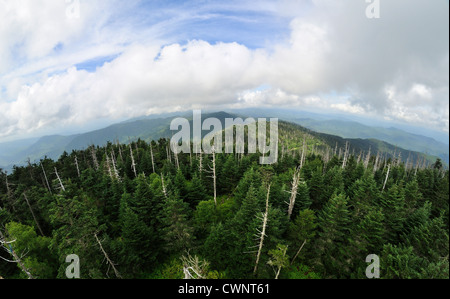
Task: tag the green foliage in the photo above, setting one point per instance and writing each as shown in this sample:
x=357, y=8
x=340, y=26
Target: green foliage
x=38, y=260
x=301, y=272
x=149, y=221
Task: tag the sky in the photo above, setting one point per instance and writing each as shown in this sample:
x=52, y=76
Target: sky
x=74, y=65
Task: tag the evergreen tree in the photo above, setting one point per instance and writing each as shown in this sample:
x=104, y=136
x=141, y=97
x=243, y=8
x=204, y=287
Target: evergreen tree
x=334, y=224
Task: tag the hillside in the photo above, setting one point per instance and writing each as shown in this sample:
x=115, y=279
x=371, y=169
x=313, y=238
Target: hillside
x=154, y=128
x=397, y=137
x=139, y=211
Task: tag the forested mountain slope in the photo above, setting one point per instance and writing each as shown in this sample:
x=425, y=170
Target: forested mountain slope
x=154, y=128
x=151, y=212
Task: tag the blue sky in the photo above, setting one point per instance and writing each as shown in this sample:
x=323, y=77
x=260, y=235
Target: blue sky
x=73, y=66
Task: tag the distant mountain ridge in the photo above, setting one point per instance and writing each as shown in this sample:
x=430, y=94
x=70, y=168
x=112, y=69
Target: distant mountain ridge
x=148, y=128
x=394, y=136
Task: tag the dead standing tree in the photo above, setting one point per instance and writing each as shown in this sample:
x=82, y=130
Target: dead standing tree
x=32, y=213
x=10, y=194
x=46, y=179
x=94, y=158
x=59, y=180
x=108, y=260
x=133, y=164
x=387, y=177
x=262, y=233
x=346, y=154
x=294, y=190
x=8, y=247
x=77, y=166
x=213, y=172
x=152, y=156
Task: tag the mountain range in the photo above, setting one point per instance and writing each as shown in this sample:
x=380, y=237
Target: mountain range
x=330, y=131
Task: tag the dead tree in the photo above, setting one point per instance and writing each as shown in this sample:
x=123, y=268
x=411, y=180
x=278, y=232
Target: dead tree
x=9, y=194
x=30, y=168
x=399, y=159
x=200, y=162
x=262, y=233
x=78, y=168
x=153, y=158
x=279, y=260
x=214, y=175
x=377, y=160
x=169, y=156
x=294, y=190
x=94, y=158
x=32, y=213
x=163, y=186
x=367, y=160
x=120, y=151
x=133, y=164
x=346, y=153
x=213, y=172
x=417, y=166
x=108, y=260
x=175, y=154
x=108, y=167
x=114, y=168
x=7, y=246
x=387, y=177
x=46, y=180
x=298, y=252
x=59, y=180
x=194, y=268
x=408, y=161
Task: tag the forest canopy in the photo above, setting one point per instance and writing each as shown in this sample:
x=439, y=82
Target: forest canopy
x=138, y=210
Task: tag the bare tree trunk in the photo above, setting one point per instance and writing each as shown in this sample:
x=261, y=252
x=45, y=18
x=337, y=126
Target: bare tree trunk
x=298, y=252
x=377, y=160
x=108, y=166
x=107, y=258
x=9, y=194
x=153, y=158
x=200, y=164
x=177, y=162
x=30, y=168
x=344, y=162
x=94, y=158
x=16, y=258
x=164, y=187
x=214, y=175
x=115, y=172
x=78, y=168
x=263, y=232
x=45, y=176
x=387, y=176
x=366, y=162
x=294, y=190
x=133, y=164
x=169, y=156
x=120, y=151
x=32, y=213
x=59, y=179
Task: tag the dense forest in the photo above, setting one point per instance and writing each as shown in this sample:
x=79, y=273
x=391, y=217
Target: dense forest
x=138, y=210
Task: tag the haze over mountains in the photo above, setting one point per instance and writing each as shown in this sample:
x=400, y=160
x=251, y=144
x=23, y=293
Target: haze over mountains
x=158, y=126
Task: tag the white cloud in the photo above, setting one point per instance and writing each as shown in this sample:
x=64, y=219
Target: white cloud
x=396, y=66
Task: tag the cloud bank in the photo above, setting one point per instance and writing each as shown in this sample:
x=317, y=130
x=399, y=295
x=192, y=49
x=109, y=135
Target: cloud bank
x=333, y=58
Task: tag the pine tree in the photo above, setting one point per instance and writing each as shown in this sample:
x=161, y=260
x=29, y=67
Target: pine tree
x=301, y=232
x=334, y=226
x=177, y=233
x=393, y=204
x=196, y=191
